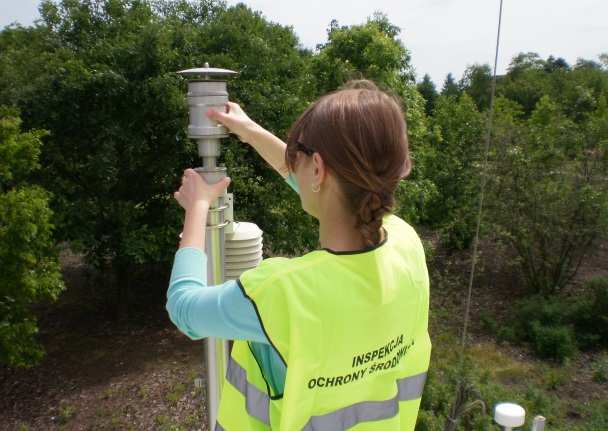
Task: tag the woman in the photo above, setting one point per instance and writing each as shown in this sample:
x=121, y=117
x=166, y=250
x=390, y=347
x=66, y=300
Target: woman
x=335, y=339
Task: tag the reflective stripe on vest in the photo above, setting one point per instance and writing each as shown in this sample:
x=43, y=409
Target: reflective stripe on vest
x=256, y=401
x=409, y=388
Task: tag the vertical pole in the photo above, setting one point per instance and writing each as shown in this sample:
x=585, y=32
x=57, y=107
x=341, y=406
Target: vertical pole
x=216, y=353
x=203, y=93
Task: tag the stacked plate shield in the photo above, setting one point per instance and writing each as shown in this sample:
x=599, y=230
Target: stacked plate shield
x=243, y=249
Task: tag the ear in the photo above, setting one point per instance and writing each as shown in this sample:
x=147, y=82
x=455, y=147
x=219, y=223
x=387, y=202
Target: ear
x=319, y=169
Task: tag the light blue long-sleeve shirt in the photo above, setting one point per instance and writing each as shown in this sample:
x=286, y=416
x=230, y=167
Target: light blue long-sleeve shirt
x=201, y=311
x=222, y=311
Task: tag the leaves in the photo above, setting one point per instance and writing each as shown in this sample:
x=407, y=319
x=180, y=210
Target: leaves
x=29, y=267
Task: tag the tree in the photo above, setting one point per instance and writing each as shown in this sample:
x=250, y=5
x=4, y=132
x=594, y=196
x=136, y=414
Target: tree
x=552, y=64
x=477, y=83
x=371, y=51
x=575, y=89
x=548, y=195
x=452, y=164
x=29, y=267
x=100, y=76
x=450, y=87
x=526, y=81
x=427, y=89
x=525, y=61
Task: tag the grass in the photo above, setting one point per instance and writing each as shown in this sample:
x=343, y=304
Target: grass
x=499, y=375
x=66, y=412
x=164, y=423
x=175, y=393
x=193, y=420
x=118, y=424
x=109, y=392
x=143, y=392
x=600, y=369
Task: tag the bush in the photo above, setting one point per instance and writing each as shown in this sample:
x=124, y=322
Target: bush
x=452, y=163
x=557, y=327
x=553, y=342
x=428, y=421
x=547, y=193
x=29, y=269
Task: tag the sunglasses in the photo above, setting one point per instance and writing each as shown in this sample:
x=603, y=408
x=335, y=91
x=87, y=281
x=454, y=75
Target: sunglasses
x=306, y=150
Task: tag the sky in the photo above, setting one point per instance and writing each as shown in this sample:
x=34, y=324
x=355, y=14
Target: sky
x=442, y=35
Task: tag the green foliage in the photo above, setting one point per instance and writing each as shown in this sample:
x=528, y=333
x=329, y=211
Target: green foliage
x=427, y=89
x=557, y=327
x=29, y=267
x=554, y=342
x=414, y=195
x=450, y=87
x=274, y=87
x=600, y=369
x=452, y=163
x=479, y=387
x=576, y=89
x=548, y=198
x=496, y=375
x=372, y=51
x=599, y=415
x=100, y=76
x=477, y=82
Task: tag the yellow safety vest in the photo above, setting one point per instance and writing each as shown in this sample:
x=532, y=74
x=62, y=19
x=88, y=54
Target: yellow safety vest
x=351, y=328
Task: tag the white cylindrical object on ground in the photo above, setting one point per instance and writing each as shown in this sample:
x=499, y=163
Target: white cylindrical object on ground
x=539, y=423
x=509, y=415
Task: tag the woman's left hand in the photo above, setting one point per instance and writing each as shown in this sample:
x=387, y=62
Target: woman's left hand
x=195, y=190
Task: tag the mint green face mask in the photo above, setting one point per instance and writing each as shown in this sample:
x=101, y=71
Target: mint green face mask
x=291, y=180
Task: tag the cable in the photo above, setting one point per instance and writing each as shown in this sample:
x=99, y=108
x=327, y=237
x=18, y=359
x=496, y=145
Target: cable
x=464, y=390
x=484, y=175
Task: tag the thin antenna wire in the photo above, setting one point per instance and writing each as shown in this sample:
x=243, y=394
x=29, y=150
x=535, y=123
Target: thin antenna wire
x=483, y=186
x=464, y=389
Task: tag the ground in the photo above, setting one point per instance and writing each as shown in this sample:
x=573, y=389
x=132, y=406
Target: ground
x=103, y=373
x=139, y=372
x=142, y=378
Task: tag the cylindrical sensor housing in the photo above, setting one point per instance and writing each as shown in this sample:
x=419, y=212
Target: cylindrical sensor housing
x=206, y=89
x=203, y=95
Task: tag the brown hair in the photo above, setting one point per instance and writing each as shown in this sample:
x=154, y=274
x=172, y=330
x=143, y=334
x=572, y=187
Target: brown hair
x=360, y=132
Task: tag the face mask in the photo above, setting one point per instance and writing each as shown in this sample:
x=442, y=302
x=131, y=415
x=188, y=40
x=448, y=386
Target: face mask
x=291, y=180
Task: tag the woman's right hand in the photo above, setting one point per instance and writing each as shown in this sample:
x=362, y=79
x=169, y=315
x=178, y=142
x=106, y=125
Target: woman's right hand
x=235, y=120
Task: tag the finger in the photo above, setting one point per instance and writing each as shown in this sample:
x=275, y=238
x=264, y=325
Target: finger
x=232, y=105
x=223, y=119
x=221, y=185
x=225, y=183
x=211, y=113
x=216, y=115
